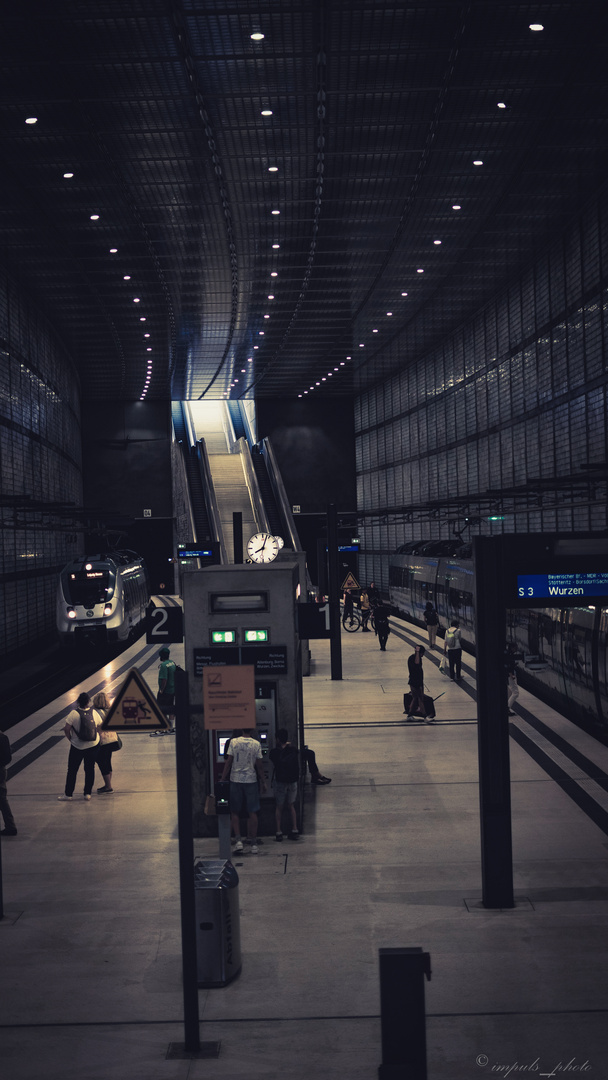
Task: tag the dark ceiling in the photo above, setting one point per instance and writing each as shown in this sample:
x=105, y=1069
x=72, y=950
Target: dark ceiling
x=379, y=111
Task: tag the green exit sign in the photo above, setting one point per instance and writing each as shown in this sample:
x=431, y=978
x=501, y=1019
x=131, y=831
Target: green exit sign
x=223, y=637
x=256, y=635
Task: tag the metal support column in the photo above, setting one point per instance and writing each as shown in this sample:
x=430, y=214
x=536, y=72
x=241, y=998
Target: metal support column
x=402, y=1013
x=237, y=535
x=493, y=724
x=333, y=592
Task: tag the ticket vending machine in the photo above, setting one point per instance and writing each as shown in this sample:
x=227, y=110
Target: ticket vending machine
x=242, y=615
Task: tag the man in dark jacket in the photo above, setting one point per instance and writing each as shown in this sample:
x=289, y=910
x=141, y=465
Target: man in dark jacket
x=10, y=829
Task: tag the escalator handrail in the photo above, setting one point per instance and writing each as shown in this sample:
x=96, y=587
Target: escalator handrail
x=253, y=487
x=212, y=507
x=280, y=494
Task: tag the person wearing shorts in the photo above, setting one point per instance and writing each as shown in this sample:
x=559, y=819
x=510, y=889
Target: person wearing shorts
x=244, y=766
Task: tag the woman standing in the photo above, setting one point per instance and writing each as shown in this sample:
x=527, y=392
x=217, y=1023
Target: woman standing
x=431, y=619
x=108, y=743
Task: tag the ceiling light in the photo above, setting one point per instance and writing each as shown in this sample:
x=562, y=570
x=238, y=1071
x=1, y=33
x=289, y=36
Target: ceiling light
x=243, y=369
x=274, y=273
x=266, y=112
x=142, y=318
x=32, y=120
x=389, y=313
x=361, y=346
x=266, y=316
x=127, y=277
x=374, y=331
x=149, y=349
x=136, y=300
x=113, y=251
x=250, y=359
x=404, y=294
x=317, y=384
x=94, y=217
x=299, y=395
x=533, y=26
x=146, y=335
x=256, y=346
x=436, y=241
x=273, y=168
x=457, y=206
x=342, y=363
x=275, y=212
x=349, y=357
x=329, y=374
x=419, y=271
x=478, y=162
x=271, y=296
x=275, y=246
x=68, y=175
x=257, y=36
x=261, y=332
x=501, y=105
x=336, y=369
x=323, y=379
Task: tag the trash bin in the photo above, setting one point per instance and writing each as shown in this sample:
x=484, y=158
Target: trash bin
x=218, y=928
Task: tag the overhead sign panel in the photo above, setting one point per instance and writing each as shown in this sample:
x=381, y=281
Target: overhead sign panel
x=164, y=624
x=229, y=697
x=134, y=708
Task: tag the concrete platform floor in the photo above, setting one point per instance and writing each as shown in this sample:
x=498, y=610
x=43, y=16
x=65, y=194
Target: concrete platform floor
x=90, y=947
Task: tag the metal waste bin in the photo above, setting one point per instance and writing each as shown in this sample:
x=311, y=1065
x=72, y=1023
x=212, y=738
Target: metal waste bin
x=218, y=927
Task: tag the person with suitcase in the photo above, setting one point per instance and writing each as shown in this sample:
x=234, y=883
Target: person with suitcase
x=417, y=701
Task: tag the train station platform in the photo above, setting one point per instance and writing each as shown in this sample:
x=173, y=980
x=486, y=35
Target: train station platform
x=390, y=856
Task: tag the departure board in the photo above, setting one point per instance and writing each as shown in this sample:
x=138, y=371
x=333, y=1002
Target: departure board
x=562, y=587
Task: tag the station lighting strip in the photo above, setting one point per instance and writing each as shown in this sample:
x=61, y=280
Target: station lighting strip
x=477, y=162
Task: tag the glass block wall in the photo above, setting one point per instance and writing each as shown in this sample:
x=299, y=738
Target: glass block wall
x=513, y=402
x=40, y=464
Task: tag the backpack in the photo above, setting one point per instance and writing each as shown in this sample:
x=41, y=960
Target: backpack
x=5, y=750
x=450, y=639
x=287, y=766
x=87, y=732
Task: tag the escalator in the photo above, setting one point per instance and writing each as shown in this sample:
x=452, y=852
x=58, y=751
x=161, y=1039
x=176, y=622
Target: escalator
x=194, y=475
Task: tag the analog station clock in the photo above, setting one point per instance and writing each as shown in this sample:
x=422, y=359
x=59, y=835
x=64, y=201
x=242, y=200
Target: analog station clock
x=262, y=547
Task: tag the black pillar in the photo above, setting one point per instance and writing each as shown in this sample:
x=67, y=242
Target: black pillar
x=333, y=591
x=237, y=535
x=493, y=724
x=402, y=1013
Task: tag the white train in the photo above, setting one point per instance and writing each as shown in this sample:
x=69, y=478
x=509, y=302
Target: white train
x=565, y=650
x=102, y=598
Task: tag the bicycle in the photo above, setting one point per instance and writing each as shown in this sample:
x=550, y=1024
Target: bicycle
x=352, y=622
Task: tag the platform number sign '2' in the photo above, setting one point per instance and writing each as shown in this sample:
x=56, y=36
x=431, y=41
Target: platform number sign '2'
x=164, y=625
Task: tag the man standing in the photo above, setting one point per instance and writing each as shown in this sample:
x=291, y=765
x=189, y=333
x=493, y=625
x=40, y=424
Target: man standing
x=166, y=685
x=286, y=762
x=453, y=649
x=416, y=681
x=10, y=829
x=244, y=765
x=381, y=614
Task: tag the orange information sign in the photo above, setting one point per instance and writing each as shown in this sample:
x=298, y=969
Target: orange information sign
x=134, y=708
x=229, y=697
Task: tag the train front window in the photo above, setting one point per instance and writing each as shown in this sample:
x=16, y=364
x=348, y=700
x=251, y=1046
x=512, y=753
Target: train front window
x=88, y=587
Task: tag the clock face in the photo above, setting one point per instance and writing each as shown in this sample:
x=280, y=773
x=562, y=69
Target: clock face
x=280, y=541
x=262, y=547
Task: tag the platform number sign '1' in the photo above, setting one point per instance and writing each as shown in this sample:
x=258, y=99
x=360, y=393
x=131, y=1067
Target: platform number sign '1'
x=164, y=625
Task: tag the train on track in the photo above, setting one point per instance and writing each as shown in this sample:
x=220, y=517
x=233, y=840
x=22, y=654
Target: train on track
x=565, y=650
x=102, y=599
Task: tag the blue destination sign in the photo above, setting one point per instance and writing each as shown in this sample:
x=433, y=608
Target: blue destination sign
x=561, y=586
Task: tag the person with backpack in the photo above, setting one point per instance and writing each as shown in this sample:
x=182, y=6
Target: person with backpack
x=10, y=829
x=243, y=763
x=453, y=649
x=80, y=729
x=286, y=762
x=166, y=686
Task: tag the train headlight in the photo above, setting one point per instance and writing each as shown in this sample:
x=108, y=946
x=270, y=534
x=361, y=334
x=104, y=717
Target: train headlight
x=71, y=613
x=107, y=609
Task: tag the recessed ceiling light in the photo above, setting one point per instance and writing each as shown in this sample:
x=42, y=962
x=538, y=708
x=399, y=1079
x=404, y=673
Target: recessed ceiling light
x=266, y=316
x=478, y=162
x=261, y=332
x=127, y=277
x=389, y=313
x=257, y=36
x=250, y=359
x=419, y=271
x=501, y=105
x=361, y=345
x=142, y=318
x=274, y=273
x=243, y=369
x=275, y=212
x=349, y=357
x=271, y=296
x=317, y=384
x=374, y=331
x=323, y=379
x=457, y=206
x=149, y=349
x=68, y=175
x=329, y=374
x=404, y=294
x=273, y=168
x=256, y=346
x=335, y=369
x=436, y=241
x=113, y=251
x=266, y=112
x=299, y=395
x=136, y=300
x=275, y=246
x=32, y=120
x=94, y=217
x=342, y=363
x=533, y=26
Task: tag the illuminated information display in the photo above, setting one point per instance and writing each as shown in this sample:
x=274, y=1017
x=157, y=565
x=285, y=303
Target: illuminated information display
x=561, y=586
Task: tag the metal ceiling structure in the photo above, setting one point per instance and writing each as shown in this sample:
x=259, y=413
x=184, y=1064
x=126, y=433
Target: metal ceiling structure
x=153, y=196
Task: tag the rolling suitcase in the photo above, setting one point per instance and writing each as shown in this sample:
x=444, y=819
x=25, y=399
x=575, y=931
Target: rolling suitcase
x=429, y=706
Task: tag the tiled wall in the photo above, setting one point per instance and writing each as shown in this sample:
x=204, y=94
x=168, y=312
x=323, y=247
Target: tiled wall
x=40, y=464
x=517, y=394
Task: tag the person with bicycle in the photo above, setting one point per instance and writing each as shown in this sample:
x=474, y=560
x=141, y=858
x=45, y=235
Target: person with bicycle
x=349, y=603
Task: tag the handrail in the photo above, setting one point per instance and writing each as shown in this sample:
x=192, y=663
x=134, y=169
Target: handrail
x=190, y=431
x=281, y=495
x=212, y=507
x=251, y=480
x=180, y=451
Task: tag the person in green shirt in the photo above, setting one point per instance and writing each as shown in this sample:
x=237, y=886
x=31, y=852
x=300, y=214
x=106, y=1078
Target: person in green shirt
x=166, y=685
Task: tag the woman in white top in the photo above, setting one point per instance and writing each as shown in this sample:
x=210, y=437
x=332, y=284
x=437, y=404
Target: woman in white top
x=80, y=730
x=453, y=648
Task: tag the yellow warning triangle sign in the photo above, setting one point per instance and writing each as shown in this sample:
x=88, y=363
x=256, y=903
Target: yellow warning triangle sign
x=134, y=707
x=350, y=582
